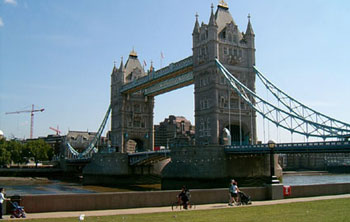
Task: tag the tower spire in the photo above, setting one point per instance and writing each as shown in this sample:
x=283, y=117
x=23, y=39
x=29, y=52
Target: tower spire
x=114, y=67
x=249, y=30
x=121, y=63
x=196, y=25
x=212, y=20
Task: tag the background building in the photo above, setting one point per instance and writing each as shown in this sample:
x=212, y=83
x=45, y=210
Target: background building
x=173, y=130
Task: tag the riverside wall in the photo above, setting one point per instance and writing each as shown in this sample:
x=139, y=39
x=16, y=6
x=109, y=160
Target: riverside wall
x=210, y=167
x=122, y=200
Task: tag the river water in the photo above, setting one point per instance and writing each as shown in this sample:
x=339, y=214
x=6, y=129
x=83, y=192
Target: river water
x=29, y=185
x=321, y=178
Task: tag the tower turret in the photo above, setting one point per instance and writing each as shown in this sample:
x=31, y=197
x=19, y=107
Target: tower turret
x=249, y=37
x=195, y=33
x=212, y=36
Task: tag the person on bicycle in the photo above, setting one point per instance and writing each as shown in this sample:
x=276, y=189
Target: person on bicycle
x=184, y=197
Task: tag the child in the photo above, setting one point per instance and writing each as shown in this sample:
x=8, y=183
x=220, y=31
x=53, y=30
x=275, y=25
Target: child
x=2, y=198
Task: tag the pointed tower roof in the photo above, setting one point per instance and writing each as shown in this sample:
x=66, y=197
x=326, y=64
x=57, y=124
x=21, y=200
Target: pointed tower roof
x=121, y=66
x=196, y=25
x=223, y=16
x=249, y=30
x=133, y=63
x=212, y=20
x=114, y=68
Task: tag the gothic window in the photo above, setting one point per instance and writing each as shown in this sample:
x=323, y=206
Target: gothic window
x=233, y=103
x=137, y=123
x=240, y=52
x=137, y=108
x=208, y=127
x=230, y=37
x=222, y=101
x=242, y=105
x=235, y=52
x=235, y=38
x=201, y=127
x=230, y=51
x=224, y=34
x=203, y=36
x=225, y=51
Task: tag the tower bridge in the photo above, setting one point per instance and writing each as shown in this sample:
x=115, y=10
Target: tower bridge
x=222, y=69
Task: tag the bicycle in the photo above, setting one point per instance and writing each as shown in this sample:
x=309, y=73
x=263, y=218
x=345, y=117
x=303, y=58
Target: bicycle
x=179, y=204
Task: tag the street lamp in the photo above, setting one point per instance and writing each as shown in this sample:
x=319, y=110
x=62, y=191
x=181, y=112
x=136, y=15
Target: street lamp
x=271, y=144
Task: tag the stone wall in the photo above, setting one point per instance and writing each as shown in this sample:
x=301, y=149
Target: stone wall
x=210, y=167
x=122, y=200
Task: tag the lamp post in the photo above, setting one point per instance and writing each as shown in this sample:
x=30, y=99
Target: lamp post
x=271, y=144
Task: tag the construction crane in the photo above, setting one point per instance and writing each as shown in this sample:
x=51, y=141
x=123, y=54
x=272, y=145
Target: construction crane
x=32, y=111
x=58, y=132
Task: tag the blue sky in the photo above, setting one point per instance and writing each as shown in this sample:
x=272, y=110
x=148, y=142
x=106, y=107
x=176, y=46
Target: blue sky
x=59, y=55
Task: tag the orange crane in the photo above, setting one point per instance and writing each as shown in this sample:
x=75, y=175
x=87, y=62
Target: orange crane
x=32, y=111
x=58, y=132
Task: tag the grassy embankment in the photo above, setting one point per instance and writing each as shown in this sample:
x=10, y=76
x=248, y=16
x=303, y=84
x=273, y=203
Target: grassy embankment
x=324, y=210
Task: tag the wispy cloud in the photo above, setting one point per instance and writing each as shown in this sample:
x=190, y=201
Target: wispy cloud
x=11, y=2
x=1, y=22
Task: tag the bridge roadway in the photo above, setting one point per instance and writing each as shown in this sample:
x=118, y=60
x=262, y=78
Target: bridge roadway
x=144, y=158
x=284, y=148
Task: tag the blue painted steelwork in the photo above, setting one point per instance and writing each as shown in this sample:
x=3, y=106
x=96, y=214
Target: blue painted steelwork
x=159, y=75
x=91, y=147
x=169, y=84
x=282, y=118
x=327, y=123
x=311, y=147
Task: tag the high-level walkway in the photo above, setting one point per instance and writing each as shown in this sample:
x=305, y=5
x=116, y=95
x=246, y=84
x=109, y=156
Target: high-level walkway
x=168, y=209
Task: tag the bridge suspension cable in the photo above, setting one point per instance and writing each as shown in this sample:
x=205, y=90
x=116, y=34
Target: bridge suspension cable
x=87, y=152
x=329, y=124
x=287, y=119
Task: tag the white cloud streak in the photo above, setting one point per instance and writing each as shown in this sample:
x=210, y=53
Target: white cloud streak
x=11, y=2
x=1, y=22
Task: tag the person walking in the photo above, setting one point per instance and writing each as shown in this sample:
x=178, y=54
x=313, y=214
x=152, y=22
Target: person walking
x=2, y=198
x=233, y=190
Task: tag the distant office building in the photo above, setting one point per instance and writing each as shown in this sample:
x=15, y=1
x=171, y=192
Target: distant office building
x=175, y=130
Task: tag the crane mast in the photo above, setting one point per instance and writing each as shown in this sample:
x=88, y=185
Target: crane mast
x=32, y=111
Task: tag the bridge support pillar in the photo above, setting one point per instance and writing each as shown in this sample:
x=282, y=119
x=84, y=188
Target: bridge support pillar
x=211, y=167
x=275, y=191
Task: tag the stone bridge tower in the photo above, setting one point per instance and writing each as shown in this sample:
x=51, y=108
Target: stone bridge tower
x=132, y=114
x=217, y=107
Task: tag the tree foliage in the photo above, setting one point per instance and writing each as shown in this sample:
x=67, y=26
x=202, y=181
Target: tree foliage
x=39, y=150
x=17, y=152
x=5, y=156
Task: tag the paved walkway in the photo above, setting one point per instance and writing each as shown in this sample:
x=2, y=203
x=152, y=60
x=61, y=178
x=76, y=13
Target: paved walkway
x=168, y=209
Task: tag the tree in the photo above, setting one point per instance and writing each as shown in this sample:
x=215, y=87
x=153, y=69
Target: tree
x=39, y=150
x=5, y=156
x=16, y=150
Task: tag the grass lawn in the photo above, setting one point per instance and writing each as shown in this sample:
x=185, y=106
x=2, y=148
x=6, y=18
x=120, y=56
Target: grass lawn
x=324, y=210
